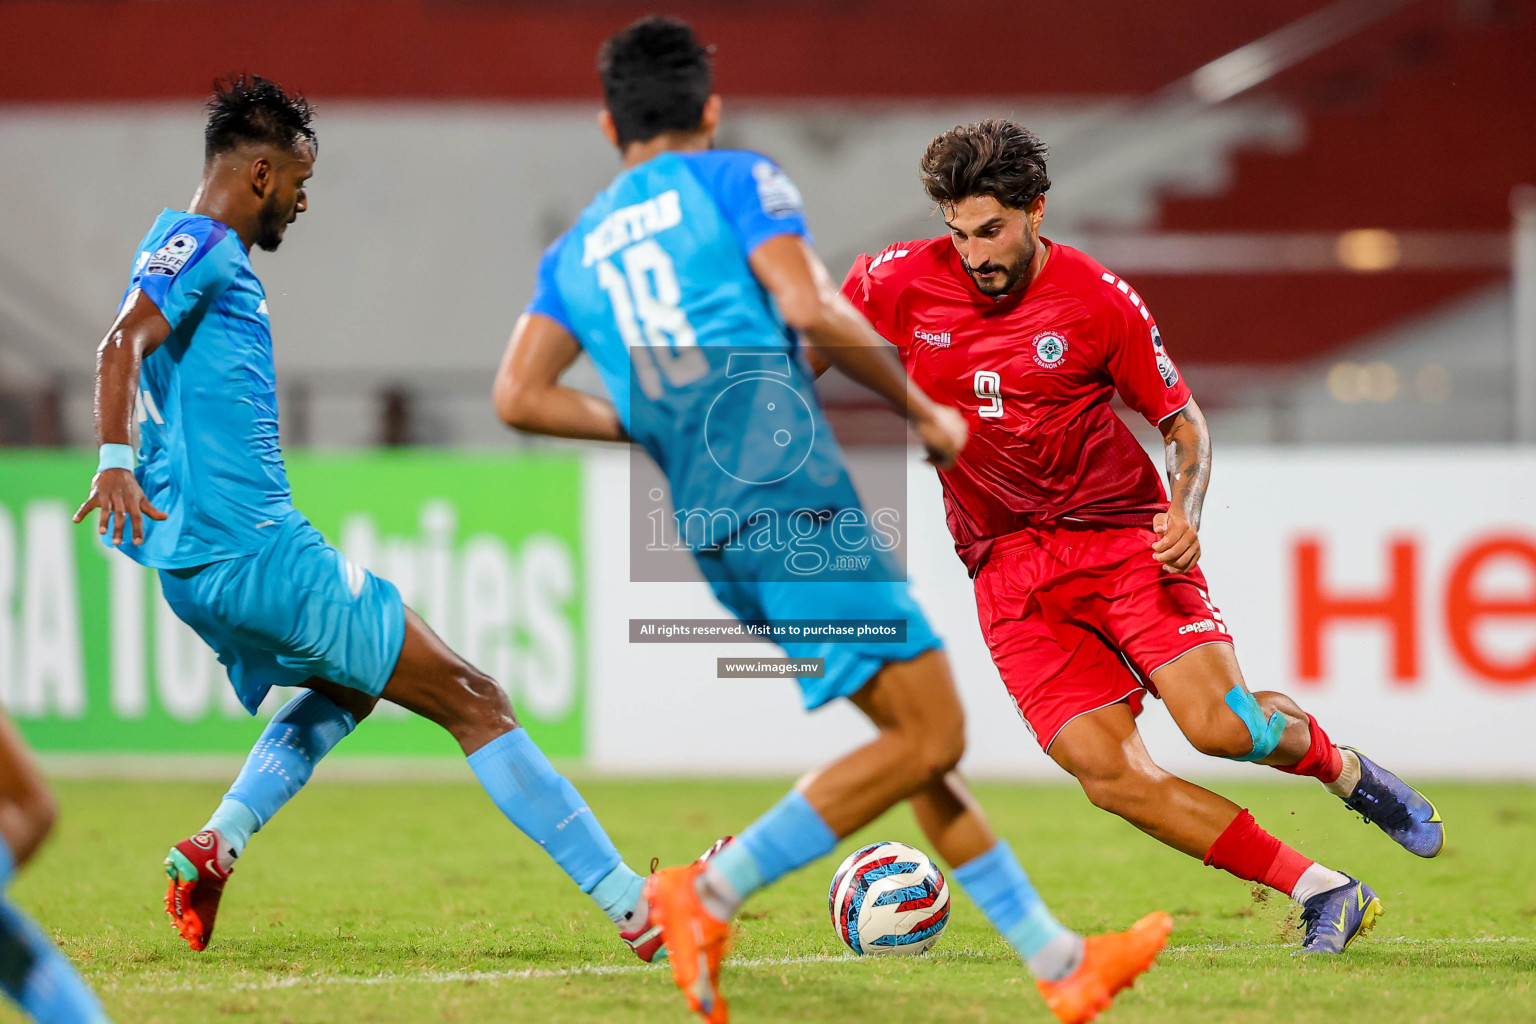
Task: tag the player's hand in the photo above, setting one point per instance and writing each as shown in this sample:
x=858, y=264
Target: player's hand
x=943, y=432
x=1178, y=542
x=117, y=496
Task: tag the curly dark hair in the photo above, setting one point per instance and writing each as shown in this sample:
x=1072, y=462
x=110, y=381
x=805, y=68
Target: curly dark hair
x=995, y=157
x=248, y=108
x=656, y=78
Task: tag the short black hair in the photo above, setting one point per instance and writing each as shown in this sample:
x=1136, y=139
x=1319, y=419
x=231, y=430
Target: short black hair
x=248, y=108
x=996, y=157
x=656, y=78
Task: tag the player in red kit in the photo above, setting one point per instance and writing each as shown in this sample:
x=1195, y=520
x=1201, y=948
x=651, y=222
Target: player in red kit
x=1085, y=572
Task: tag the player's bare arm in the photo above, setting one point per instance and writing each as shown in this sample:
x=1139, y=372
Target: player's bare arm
x=819, y=364
x=1187, y=447
x=115, y=493
x=810, y=302
x=528, y=392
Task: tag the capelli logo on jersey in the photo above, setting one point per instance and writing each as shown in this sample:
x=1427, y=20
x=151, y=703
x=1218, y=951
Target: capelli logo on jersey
x=937, y=340
x=1203, y=626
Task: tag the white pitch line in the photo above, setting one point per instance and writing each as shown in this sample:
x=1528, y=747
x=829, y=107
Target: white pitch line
x=448, y=977
x=739, y=963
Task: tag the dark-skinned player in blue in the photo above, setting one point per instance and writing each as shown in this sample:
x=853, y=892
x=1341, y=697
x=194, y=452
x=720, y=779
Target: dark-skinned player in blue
x=209, y=507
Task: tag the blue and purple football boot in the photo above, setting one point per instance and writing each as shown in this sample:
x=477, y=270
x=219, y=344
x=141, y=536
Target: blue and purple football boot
x=1335, y=918
x=1395, y=807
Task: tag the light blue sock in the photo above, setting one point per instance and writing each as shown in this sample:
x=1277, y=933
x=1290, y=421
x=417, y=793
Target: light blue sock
x=618, y=894
x=998, y=884
x=302, y=732
x=7, y=864
x=789, y=836
x=546, y=807
x=38, y=977
x=235, y=822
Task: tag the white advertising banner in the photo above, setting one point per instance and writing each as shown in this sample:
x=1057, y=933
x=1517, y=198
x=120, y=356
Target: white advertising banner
x=1391, y=592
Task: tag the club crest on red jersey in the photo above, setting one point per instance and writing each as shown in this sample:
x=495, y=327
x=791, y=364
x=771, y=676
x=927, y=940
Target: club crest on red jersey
x=1050, y=350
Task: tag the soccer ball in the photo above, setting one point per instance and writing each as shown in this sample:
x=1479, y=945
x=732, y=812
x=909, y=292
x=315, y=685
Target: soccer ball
x=889, y=899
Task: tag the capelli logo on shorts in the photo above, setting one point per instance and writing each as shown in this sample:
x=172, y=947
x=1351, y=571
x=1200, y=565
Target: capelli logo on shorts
x=937, y=340
x=1203, y=626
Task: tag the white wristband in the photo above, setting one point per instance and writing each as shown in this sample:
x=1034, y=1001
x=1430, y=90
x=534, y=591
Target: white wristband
x=115, y=456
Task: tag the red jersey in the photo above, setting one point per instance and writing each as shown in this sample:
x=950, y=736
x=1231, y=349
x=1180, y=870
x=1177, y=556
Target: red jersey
x=1033, y=373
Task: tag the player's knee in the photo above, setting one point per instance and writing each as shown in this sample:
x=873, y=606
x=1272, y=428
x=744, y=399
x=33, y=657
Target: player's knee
x=465, y=701
x=938, y=747
x=1118, y=789
x=1104, y=793
x=1221, y=735
x=485, y=702
x=36, y=812
x=948, y=749
x=355, y=703
x=1239, y=730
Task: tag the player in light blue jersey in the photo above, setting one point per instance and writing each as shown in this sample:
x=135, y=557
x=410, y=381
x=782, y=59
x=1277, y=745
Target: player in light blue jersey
x=250, y=574
x=690, y=281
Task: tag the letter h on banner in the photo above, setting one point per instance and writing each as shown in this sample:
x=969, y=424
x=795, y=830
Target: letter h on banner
x=1395, y=606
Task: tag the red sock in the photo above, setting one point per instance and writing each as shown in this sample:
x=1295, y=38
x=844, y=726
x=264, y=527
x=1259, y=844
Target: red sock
x=1254, y=855
x=1322, y=760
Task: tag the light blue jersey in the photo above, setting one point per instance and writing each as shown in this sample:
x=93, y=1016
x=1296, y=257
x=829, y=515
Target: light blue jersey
x=256, y=581
x=655, y=281
x=659, y=260
x=208, y=443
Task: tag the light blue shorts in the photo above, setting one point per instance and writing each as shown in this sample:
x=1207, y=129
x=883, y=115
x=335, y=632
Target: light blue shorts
x=294, y=610
x=744, y=582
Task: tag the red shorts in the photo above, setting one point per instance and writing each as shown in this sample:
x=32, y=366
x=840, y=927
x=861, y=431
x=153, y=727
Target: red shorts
x=1079, y=617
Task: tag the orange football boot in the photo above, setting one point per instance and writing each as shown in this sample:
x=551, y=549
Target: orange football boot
x=1110, y=963
x=696, y=941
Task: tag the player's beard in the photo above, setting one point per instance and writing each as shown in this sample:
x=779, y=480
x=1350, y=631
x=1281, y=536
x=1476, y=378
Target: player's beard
x=1013, y=272
x=271, y=224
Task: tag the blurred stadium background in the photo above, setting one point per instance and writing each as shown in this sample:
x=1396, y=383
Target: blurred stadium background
x=1328, y=205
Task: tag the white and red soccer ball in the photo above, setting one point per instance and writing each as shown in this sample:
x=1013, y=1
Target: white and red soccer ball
x=889, y=899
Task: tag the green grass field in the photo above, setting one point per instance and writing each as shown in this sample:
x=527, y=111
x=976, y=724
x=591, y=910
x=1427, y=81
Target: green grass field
x=385, y=902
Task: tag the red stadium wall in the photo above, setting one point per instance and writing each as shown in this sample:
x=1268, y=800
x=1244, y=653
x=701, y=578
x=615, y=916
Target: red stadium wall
x=1420, y=122
x=95, y=50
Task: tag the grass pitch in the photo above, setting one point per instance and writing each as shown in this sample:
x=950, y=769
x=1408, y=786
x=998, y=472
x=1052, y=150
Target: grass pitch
x=385, y=902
